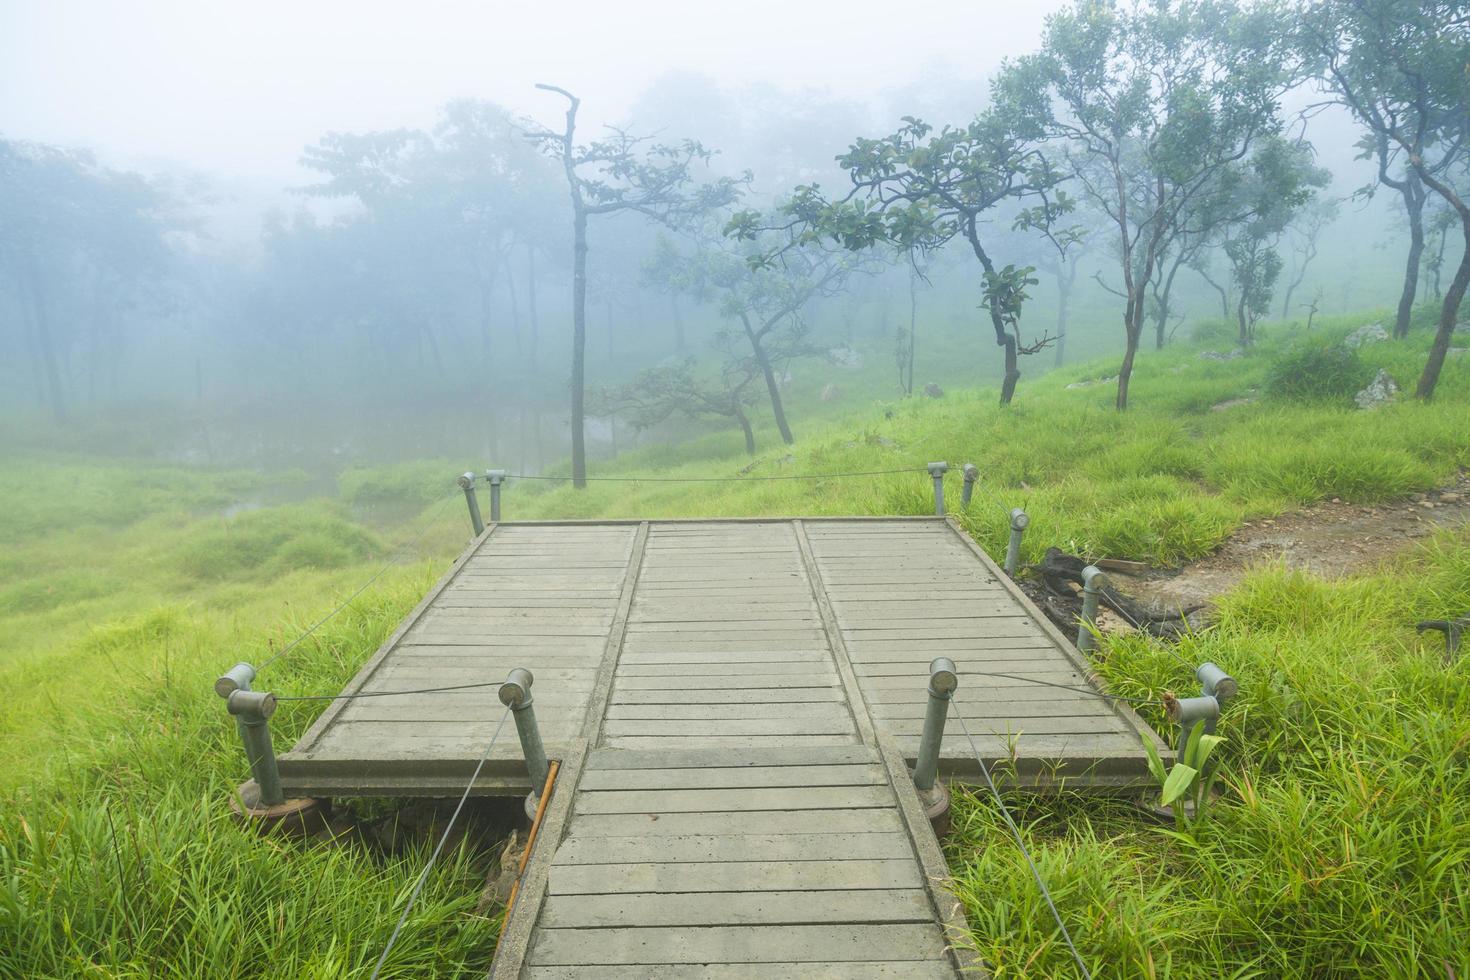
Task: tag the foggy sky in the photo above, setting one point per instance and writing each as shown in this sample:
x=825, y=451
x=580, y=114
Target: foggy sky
x=239, y=89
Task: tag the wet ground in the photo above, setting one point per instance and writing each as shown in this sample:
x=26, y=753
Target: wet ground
x=1330, y=539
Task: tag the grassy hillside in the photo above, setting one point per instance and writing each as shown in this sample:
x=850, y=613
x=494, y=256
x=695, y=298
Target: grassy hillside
x=1340, y=849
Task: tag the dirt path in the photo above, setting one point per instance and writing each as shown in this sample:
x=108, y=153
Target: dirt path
x=1330, y=539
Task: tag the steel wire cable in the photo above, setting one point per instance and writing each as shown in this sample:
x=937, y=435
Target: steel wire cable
x=443, y=838
x=428, y=525
x=386, y=694
x=1020, y=842
x=714, y=479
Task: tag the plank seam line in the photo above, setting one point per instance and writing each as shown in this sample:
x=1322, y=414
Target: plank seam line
x=857, y=703
x=598, y=700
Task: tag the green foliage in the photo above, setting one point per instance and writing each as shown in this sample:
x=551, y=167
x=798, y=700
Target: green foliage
x=1318, y=372
x=1337, y=849
x=417, y=483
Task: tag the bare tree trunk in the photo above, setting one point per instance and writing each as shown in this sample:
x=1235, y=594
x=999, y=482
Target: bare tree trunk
x=1003, y=337
x=1133, y=330
x=609, y=331
x=535, y=324
x=1164, y=295
x=1224, y=295
x=434, y=352
x=1450, y=310
x=908, y=385
x=1414, y=194
x=1301, y=274
x=745, y=428
x=1245, y=337
x=1064, y=297
x=45, y=342
x=1444, y=234
x=579, y=348
x=487, y=342
x=515, y=306
x=769, y=373
x=678, y=323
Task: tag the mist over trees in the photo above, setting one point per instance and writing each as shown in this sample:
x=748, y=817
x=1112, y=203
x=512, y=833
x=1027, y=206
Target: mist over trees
x=491, y=284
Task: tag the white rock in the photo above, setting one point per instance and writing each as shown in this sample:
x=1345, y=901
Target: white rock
x=1370, y=334
x=1380, y=391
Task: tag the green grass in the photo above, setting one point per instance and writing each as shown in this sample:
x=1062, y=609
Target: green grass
x=1340, y=849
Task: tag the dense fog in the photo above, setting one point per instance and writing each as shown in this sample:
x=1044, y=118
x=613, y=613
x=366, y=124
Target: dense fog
x=400, y=283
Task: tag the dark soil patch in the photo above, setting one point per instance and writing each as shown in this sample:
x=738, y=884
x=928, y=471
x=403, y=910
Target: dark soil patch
x=1331, y=539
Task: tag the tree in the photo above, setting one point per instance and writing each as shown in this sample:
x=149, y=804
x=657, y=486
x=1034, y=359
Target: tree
x=1403, y=70
x=1279, y=180
x=1306, y=233
x=70, y=228
x=620, y=173
x=676, y=389
x=1439, y=226
x=1155, y=102
x=918, y=190
x=762, y=295
x=1411, y=190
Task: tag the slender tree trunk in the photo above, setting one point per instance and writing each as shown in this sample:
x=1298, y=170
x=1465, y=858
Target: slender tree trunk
x=1449, y=311
x=1133, y=331
x=1245, y=334
x=535, y=323
x=769, y=373
x=1003, y=337
x=609, y=331
x=1224, y=295
x=908, y=385
x=678, y=323
x=1414, y=194
x=434, y=352
x=579, y=348
x=45, y=343
x=521, y=439
x=1064, y=298
x=745, y=428
x=487, y=342
x=540, y=442
x=1165, y=296
x=515, y=306
x=1308, y=255
x=1439, y=264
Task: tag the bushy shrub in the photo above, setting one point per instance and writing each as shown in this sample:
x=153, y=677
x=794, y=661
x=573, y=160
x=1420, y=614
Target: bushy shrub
x=414, y=483
x=1317, y=373
x=274, y=541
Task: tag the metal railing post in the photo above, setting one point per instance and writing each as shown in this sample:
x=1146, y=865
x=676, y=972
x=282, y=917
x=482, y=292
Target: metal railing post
x=1215, y=682
x=515, y=694
x=467, y=484
x=1094, y=581
x=1189, y=712
x=237, y=678
x=1092, y=584
x=972, y=473
x=937, y=470
x=942, y=684
x=495, y=479
x=252, y=709
x=1019, y=522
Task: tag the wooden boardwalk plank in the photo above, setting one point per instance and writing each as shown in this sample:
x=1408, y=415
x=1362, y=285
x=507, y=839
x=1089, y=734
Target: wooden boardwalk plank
x=768, y=908
x=733, y=876
x=737, y=944
x=722, y=689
